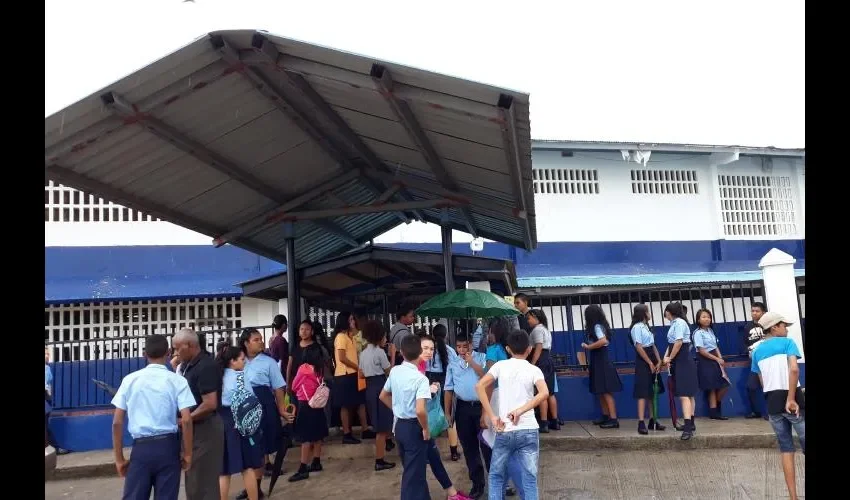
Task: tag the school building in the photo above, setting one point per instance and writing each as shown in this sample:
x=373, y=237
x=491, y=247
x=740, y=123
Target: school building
x=616, y=224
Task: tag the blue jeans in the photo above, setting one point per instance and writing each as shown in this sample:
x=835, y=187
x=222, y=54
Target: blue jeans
x=782, y=424
x=523, y=448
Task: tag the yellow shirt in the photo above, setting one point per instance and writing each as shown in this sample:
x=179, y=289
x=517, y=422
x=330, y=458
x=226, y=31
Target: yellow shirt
x=343, y=342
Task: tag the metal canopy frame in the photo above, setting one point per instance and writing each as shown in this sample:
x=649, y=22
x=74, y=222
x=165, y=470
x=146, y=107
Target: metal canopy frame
x=355, y=279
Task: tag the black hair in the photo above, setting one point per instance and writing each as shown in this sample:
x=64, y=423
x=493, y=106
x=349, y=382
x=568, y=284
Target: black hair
x=405, y=308
x=411, y=347
x=462, y=337
x=202, y=341
x=439, y=335
x=373, y=332
x=156, y=346
x=226, y=354
x=639, y=315
x=518, y=342
x=760, y=305
x=313, y=357
x=594, y=315
x=540, y=316
x=245, y=336
x=685, y=313
x=675, y=310
x=312, y=329
x=501, y=327
x=341, y=322
x=279, y=321
x=710, y=318
x=522, y=297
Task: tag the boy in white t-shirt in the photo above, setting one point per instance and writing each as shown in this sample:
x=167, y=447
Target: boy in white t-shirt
x=517, y=430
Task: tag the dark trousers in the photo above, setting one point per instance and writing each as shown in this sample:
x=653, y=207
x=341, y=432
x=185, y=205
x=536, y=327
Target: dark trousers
x=207, y=459
x=413, y=451
x=754, y=392
x=154, y=464
x=468, y=417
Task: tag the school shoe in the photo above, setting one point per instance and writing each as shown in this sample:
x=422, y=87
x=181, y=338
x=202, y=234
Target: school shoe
x=267, y=471
x=642, y=428
x=714, y=414
x=654, y=425
x=316, y=465
x=688, y=431
x=455, y=455
x=679, y=427
x=302, y=474
x=554, y=424
x=477, y=491
x=601, y=420
x=350, y=439
x=544, y=427
x=243, y=495
x=753, y=414
x=612, y=423
x=510, y=491
x=382, y=464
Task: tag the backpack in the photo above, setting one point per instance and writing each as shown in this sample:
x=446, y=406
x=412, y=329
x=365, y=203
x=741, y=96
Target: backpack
x=320, y=397
x=246, y=408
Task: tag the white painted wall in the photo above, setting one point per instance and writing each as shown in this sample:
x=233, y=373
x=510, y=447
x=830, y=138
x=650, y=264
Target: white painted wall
x=614, y=214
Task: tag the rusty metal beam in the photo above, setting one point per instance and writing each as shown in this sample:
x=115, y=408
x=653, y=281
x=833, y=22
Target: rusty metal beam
x=383, y=79
x=511, y=141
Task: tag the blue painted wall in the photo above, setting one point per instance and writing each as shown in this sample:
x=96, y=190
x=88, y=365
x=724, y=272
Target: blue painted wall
x=81, y=274
x=86, y=431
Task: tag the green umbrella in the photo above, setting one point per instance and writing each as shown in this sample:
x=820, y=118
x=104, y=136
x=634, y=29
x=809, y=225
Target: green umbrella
x=466, y=304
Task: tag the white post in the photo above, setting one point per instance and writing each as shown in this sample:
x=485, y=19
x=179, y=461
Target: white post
x=780, y=291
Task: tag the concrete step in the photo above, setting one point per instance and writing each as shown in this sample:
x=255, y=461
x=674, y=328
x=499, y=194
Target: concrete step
x=574, y=436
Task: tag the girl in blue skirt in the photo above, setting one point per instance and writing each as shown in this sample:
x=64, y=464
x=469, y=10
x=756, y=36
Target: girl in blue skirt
x=241, y=454
x=711, y=373
x=262, y=372
x=647, y=365
x=682, y=367
x=604, y=379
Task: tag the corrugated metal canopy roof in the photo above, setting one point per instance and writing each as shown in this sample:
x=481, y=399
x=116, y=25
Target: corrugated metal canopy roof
x=360, y=279
x=242, y=130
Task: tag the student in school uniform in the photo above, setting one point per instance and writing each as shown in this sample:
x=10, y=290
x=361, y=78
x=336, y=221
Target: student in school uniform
x=711, y=374
x=407, y=392
x=541, y=346
x=242, y=454
x=775, y=362
x=375, y=366
x=753, y=335
x=435, y=370
x=604, y=379
x=647, y=365
x=279, y=345
x=462, y=374
x=310, y=426
x=203, y=375
x=682, y=367
x=434, y=459
x=347, y=395
x=263, y=373
x=517, y=431
x=150, y=399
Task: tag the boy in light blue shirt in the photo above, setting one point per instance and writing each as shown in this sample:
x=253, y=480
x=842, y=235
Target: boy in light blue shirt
x=151, y=398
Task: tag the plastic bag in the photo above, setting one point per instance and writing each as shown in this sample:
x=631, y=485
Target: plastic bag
x=437, y=422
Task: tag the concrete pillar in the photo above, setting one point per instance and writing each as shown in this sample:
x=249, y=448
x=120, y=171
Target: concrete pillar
x=780, y=291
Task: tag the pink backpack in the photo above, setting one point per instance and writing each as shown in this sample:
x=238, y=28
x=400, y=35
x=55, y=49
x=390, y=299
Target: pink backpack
x=320, y=397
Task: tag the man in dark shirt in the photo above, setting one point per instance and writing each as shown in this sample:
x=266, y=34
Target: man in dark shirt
x=279, y=347
x=753, y=335
x=204, y=378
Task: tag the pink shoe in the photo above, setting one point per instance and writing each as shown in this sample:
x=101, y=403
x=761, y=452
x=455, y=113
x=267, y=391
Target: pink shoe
x=459, y=496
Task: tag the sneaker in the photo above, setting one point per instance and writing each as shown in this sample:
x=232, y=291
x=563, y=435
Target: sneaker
x=349, y=439
x=383, y=465
x=612, y=423
x=642, y=428
x=299, y=476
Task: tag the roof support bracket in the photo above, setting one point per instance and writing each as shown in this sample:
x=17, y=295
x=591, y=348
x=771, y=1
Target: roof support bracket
x=511, y=140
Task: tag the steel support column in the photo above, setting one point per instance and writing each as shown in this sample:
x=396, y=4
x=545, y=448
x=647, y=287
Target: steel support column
x=448, y=269
x=293, y=298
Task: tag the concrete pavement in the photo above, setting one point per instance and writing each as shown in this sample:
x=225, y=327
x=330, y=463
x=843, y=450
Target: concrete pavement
x=574, y=436
x=604, y=475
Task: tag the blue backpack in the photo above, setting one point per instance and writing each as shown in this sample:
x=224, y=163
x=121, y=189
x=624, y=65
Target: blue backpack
x=246, y=408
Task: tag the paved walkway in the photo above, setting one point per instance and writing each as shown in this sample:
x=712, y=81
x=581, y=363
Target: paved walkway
x=603, y=475
x=574, y=436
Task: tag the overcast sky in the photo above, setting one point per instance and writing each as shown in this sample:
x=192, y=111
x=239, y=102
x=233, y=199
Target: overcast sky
x=728, y=72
